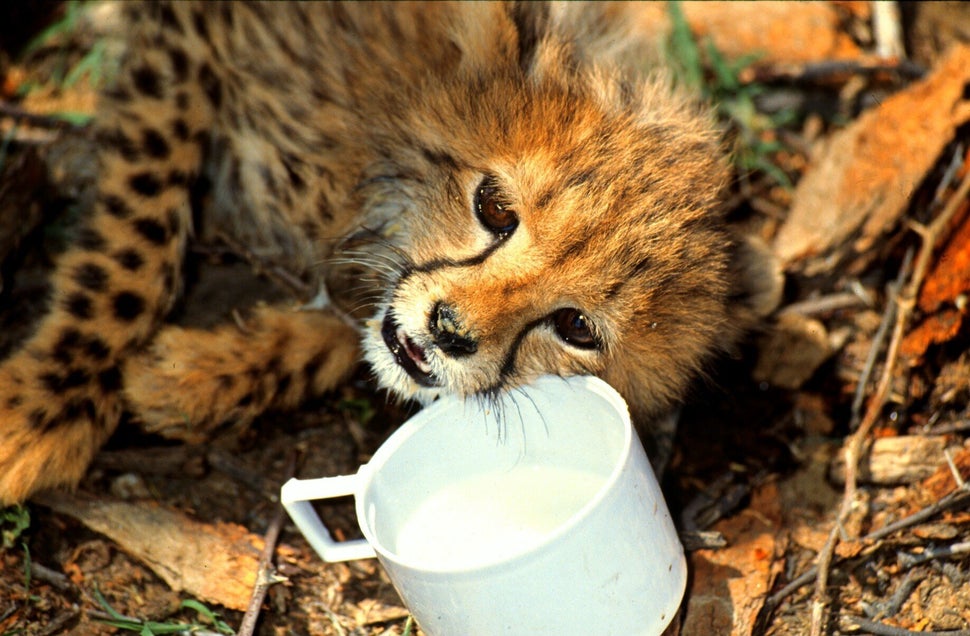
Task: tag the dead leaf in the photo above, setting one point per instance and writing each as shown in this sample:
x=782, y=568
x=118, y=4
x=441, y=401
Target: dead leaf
x=779, y=31
x=947, y=281
x=729, y=586
x=950, y=275
x=215, y=562
x=370, y=611
x=934, y=329
x=862, y=178
x=791, y=351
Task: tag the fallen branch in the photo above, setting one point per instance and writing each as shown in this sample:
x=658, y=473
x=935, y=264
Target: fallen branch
x=954, y=499
x=903, y=591
x=694, y=540
x=887, y=30
x=833, y=72
x=882, y=629
x=892, y=461
x=949, y=428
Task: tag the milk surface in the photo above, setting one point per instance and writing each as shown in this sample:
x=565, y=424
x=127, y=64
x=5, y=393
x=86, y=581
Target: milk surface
x=488, y=517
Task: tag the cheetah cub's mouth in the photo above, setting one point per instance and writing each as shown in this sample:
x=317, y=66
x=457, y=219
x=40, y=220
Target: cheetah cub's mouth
x=407, y=354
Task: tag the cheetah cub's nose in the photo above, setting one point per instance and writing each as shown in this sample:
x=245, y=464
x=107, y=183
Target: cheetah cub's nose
x=448, y=333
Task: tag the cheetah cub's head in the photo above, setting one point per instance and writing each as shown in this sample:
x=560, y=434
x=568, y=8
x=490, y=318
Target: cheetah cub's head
x=567, y=232
x=553, y=221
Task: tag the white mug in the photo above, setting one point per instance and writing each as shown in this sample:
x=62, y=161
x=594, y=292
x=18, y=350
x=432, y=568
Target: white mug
x=535, y=512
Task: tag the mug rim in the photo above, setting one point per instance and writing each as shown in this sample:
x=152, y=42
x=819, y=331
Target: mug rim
x=425, y=416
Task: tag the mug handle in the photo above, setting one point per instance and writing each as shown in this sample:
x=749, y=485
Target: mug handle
x=296, y=495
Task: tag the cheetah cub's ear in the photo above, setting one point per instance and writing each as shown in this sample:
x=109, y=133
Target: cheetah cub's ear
x=757, y=280
x=615, y=34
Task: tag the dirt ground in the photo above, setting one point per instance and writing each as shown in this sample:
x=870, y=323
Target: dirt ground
x=818, y=474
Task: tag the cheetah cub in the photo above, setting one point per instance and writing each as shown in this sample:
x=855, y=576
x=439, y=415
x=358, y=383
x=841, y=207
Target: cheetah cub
x=513, y=197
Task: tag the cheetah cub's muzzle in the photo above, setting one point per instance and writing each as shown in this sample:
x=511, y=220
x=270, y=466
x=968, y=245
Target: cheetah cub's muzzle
x=409, y=355
x=446, y=335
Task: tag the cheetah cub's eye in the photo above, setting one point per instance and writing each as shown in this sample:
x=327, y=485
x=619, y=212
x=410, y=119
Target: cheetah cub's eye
x=492, y=212
x=575, y=328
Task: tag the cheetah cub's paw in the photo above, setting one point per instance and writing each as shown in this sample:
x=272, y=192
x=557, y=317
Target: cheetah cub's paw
x=40, y=447
x=191, y=381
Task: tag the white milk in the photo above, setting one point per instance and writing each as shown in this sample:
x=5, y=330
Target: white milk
x=487, y=517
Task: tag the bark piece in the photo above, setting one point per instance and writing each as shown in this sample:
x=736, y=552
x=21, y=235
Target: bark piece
x=215, y=562
x=890, y=461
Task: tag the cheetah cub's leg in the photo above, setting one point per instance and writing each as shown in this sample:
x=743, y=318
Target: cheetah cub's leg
x=60, y=393
x=192, y=380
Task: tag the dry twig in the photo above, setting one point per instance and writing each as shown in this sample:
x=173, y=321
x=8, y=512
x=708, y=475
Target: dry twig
x=694, y=540
x=228, y=464
x=934, y=553
x=266, y=576
x=276, y=272
x=824, y=304
x=892, y=292
x=882, y=629
x=53, y=578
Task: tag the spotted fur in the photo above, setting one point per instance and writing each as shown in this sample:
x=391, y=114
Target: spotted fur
x=353, y=142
